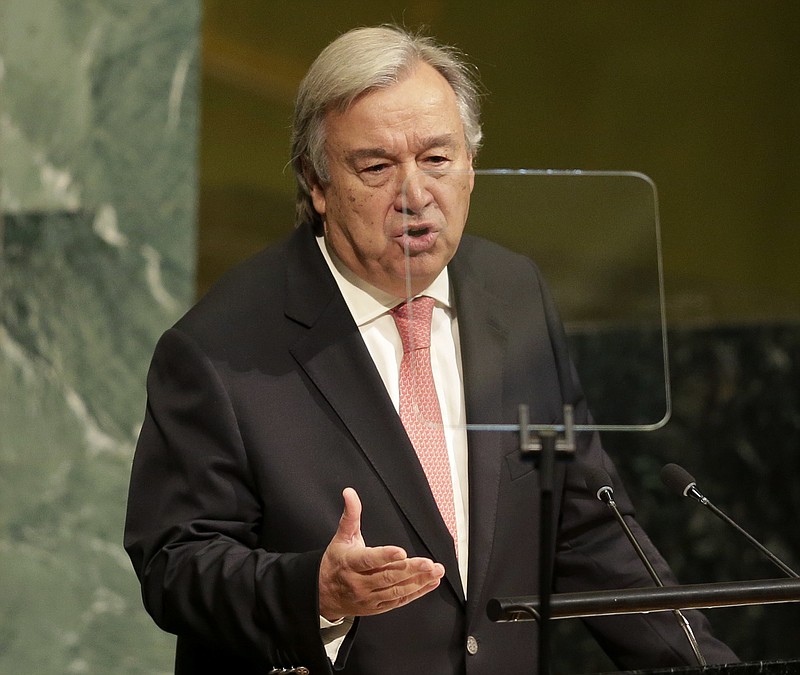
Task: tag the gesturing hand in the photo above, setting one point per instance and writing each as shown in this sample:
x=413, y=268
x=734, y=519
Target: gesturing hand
x=357, y=580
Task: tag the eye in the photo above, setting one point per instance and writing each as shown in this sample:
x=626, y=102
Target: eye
x=375, y=168
x=376, y=174
x=435, y=162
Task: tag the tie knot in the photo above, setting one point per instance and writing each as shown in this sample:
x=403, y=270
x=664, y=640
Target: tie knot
x=413, y=320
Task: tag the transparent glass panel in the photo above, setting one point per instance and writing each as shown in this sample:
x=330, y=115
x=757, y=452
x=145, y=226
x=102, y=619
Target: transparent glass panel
x=594, y=236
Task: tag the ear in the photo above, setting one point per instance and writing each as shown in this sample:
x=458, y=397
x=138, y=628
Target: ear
x=471, y=174
x=318, y=197
x=315, y=187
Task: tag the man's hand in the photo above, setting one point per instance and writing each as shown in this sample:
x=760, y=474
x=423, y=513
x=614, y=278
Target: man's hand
x=357, y=580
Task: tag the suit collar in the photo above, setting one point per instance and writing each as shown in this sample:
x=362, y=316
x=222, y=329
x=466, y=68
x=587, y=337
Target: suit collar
x=335, y=358
x=333, y=355
x=483, y=328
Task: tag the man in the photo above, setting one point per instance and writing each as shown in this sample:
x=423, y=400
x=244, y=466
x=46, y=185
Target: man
x=283, y=513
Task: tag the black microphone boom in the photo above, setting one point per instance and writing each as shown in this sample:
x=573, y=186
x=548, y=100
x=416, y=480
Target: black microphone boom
x=599, y=482
x=681, y=481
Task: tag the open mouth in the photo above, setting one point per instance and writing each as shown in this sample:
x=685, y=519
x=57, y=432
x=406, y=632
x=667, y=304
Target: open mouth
x=418, y=238
x=415, y=228
x=417, y=231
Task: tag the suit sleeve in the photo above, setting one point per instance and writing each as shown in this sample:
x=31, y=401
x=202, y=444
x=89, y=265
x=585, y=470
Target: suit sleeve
x=193, y=520
x=593, y=553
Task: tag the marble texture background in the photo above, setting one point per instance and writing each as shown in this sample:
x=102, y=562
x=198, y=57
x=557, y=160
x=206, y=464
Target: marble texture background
x=98, y=127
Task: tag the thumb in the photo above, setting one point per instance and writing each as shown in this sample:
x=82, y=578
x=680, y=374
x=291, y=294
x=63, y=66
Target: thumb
x=350, y=522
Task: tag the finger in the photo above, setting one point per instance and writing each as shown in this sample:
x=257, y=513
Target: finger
x=350, y=522
x=410, y=594
x=408, y=567
x=372, y=559
x=403, y=580
x=365, y=600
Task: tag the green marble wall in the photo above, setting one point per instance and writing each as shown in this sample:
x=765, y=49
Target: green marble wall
x=98, y=121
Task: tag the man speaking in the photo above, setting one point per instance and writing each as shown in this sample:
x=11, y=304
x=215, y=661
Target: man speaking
x=288, y=510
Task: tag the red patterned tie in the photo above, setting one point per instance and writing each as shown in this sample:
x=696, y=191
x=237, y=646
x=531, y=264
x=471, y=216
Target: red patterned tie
x=419, y=404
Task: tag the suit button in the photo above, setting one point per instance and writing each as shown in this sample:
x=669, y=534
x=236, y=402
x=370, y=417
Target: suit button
x=472, y=645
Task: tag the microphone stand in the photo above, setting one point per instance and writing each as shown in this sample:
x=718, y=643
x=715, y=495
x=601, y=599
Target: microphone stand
x=546, y=446
x=607, y=496
x=694, y=493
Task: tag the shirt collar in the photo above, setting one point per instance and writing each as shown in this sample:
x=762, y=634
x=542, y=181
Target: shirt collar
x=365, y=301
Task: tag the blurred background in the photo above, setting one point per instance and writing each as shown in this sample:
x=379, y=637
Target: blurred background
x=700, y=96
x=144, y=150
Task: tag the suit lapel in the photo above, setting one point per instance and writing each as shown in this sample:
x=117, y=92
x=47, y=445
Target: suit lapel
x=483, y=331
x=333, y=355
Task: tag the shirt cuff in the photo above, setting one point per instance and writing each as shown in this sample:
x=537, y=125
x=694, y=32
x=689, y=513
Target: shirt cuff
x=333, y=634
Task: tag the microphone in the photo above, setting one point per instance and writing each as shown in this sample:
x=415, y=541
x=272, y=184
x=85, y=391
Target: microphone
x=681, y=481
x=599, y=482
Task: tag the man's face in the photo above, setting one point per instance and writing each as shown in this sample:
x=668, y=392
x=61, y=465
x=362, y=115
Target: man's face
x=384, y=201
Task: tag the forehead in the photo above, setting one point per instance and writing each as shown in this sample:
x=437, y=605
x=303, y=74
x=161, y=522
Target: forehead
x=421, y=104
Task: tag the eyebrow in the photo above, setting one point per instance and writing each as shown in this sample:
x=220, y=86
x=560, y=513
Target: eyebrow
x=427, y=143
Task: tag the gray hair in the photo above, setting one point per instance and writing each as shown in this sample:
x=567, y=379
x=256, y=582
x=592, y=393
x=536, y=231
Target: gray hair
x=356, y=62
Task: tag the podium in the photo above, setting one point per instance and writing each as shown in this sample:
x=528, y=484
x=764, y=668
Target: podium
x=659, y=599
x=752, y=668
x=641, y=600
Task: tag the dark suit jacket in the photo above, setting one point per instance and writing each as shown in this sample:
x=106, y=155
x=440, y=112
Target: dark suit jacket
x=263, y=404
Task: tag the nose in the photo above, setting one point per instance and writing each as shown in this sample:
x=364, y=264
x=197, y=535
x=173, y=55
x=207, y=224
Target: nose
x=413, y=195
